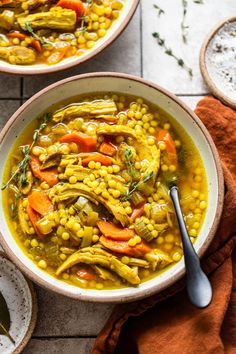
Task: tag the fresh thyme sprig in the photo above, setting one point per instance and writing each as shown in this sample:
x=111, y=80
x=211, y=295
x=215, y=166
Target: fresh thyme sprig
x=42, y=40
x=16, y=196
x=159, y=10
x=135, y=186
x=128, y=161
x=169, y=52
x=23, y=165
x=184, y=27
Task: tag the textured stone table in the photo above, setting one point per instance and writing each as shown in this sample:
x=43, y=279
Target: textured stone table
x=66, y=326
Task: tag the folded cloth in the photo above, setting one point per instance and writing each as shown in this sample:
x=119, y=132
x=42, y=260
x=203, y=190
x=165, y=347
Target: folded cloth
x=166, y=323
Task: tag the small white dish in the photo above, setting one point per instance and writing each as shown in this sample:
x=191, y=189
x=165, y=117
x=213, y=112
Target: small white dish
x=21, y=302
x=218, y=61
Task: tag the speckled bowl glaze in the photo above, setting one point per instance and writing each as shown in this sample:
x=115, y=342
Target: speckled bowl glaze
x=114, y=31
x=126, y=84
x=21, y=301
x=213, y=62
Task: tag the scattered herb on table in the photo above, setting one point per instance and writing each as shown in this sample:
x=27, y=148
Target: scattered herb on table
x=159, y=10
x=20, y=172
x=184, y=27
x=135, y=186
x=169, y=52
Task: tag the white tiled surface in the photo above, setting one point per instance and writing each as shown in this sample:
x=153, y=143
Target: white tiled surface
x=67, y=326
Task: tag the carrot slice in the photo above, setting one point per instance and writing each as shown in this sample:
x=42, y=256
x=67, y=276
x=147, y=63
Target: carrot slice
x=108, y=148
x=123, y=247
x=137, y=212
x=49, y=175
x=36, y=45
x=21, y=36
x=104, y=160
x=75, y=5
x=56, y=56
x=5, y=2
x=86, y=142
x=85, y=274
x=163, y=136
x=17, y=34
x=34, y=217
x=110, y=230
x=40, y=202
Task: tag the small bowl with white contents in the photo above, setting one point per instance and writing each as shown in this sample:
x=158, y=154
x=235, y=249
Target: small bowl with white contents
x=217, y=61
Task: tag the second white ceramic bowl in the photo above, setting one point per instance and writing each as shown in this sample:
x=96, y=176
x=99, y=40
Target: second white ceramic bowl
x=114, y=31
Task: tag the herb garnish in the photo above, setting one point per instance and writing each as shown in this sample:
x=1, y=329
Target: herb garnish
x=184, y=27
x=16, y=195
x=128, y=158
x=83, y=29
x=23, y=165
x=159, y=10
x=89, y=2
x=169, y=52
x=135, y=186
x=42, y=40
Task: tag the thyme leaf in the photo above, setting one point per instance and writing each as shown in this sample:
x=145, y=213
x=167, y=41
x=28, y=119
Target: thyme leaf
x=135, y=186
x=159, y=10
x=83, y=29
x=198, y=1
x=89, y=2
x=22, y=167
x=168, y=51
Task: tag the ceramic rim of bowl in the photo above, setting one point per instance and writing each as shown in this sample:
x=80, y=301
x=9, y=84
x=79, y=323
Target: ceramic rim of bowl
x=215, y=221
x=203, y=66
x=22, y=344
x=77, y=61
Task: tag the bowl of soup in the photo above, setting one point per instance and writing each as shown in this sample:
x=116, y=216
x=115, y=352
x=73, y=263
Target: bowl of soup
x=85, y=174
x=40, y=36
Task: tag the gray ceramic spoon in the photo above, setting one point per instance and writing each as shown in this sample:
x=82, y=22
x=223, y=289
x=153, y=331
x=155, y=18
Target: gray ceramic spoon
x=198, y=286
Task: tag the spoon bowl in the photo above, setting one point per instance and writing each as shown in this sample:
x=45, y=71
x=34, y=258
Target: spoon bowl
x=198, y=286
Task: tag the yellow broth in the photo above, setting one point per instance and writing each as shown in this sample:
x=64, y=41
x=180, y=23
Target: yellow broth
x=154, y=241
x=42, y=31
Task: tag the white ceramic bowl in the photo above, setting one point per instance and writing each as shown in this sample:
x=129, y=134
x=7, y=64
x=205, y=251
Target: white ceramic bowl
x=100, y=82
x=114, y=31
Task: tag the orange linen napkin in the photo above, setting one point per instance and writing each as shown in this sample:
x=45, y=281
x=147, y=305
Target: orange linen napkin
x=167, y=324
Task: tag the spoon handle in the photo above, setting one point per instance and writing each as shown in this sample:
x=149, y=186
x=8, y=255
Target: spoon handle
x=198, y=286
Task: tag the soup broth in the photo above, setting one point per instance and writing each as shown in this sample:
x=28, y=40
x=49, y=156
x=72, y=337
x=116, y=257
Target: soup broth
x=89, y=204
